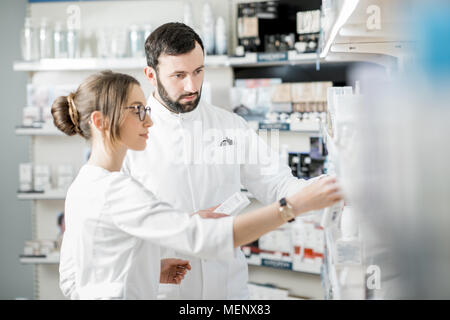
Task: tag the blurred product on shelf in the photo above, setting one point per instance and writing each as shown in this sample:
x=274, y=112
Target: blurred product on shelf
x=279, y=42
x=306, y=165
x=41, y=178
x=29, y=41
x=208, y=29
x=332, y=94
x=302, y=105
x=187, y=14
x=298, y=246
x=266, y=292
x=65, y=176
x=38, y=177
x=310, y=96
x=62, y=42
x=39, y=248
x=221, y=36
x=269, y=26
x=255, y=95
x=25, y=177
x=135, y=40
x=45, y=40
x=31, y=117
x=60, y=45
x=308, y=29
x=37, y=113
x=72, y=44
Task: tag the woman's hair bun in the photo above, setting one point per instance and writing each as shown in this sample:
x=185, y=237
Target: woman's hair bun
x=61, y=116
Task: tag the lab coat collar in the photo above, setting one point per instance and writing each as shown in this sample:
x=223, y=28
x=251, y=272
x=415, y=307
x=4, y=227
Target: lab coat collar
x=165, y=113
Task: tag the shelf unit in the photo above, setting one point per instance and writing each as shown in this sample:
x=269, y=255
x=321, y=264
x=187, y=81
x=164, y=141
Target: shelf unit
x=351, y=35
x=47, y=195
x=92, y=64
x=357, y=31
x=48, y=146
x=24, y=131
x=51, y=259
x=305, y=267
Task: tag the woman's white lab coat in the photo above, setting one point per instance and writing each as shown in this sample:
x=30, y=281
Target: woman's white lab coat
x=114, y=230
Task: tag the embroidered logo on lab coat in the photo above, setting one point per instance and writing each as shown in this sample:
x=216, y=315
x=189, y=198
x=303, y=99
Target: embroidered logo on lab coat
x=226, y=142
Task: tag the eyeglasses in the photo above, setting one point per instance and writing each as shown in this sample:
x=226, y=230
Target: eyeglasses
x=141, y=111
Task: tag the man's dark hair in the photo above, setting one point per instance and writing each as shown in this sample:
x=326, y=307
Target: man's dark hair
x=172, y=38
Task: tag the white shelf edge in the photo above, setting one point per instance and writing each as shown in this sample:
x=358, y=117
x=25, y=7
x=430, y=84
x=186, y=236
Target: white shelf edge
x=29, y=260
x=391, y=48
x=48, y=195
x=313, y=270
x=38, y=132
x=99, y=64
x=346, y=10
x=255, y=260
x=90, y=64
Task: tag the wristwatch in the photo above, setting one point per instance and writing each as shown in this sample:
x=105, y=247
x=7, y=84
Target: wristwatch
x=286, y=211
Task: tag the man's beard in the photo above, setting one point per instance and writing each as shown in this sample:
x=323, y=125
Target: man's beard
x=176, y=106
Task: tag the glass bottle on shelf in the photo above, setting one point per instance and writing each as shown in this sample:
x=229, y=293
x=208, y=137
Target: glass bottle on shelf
x=135, y=42
x=147, y=31
x=221, y=37
x=29, y=41
x=72, y=43
x=59, y=41
x=45, y=40
x=208, y=28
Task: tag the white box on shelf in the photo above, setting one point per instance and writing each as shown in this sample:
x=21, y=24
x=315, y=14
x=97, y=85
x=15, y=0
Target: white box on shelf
x=305, y=125
x=26, y=177
x=65, y=176
x=31, y=248
x=42, y=177
x=47, y=118
x=31, y=115
x=278, y=240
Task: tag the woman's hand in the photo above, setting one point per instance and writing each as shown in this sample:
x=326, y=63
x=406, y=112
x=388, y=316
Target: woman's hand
x=320, y=194
x=173, y=270
x=210, y=214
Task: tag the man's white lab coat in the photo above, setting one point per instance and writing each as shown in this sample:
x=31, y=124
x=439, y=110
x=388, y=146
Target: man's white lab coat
x=197, y=160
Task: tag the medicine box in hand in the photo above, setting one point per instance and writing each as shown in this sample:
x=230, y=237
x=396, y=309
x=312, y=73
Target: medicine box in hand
x=234, y=204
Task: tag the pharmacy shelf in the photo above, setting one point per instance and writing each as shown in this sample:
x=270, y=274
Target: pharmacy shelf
x=52, y=259
x=87, y=64
x=349, y=33
x=312, y=127
x=345, y=8
x=47, y=195
x=264, y=260
x=99, y=64
x=28, y=131
x=277, y=58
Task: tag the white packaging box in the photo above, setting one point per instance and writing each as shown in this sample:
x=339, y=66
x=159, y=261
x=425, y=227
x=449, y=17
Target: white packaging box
x=278, y=240
x=47, y=118
x=42, y=177
x=31, y=115
x=65, y=176
x=31, y=248
x=47, y=246
x=25, y=177
x=234, y=204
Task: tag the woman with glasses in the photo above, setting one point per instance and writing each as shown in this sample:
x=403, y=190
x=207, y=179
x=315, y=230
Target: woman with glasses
x=115, y=227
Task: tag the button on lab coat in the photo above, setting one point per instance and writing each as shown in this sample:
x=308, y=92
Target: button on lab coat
x=114, y=230
x=174, y=168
